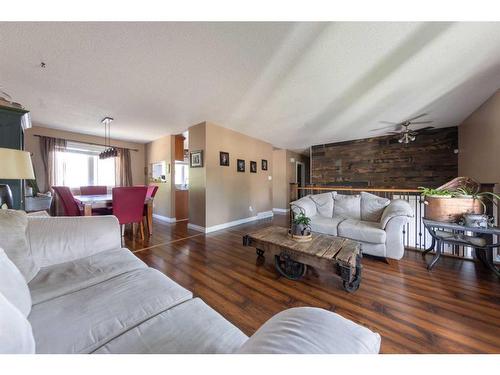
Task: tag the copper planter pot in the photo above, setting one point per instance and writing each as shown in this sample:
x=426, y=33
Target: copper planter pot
x=451, y=209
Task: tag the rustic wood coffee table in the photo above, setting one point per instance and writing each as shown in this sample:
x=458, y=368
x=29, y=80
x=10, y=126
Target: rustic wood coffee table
x=291, y=258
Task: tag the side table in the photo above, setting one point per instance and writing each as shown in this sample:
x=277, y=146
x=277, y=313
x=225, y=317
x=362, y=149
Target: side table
x=443, y=232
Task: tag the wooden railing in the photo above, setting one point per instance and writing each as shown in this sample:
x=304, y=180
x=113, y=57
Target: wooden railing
x=415, y=235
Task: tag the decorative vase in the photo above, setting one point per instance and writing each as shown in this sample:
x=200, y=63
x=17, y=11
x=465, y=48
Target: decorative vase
x=477, y=221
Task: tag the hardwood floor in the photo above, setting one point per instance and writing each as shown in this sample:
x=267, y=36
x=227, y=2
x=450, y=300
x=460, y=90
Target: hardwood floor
x=453, y=309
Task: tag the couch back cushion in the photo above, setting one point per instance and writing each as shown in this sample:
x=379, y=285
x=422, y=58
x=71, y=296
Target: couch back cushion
x=348, y=206
x=13, y=285
x=305, y=205
x=13, y=225
x=324, y=203
x=372, y=207
x=16, y=335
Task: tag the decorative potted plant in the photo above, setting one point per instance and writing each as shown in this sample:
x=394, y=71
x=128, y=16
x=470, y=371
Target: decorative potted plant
x=457, y=199
x=301, y=227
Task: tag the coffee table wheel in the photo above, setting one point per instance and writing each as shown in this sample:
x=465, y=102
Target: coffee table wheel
x=289, y=268
x=260, y=253
x=352, y=286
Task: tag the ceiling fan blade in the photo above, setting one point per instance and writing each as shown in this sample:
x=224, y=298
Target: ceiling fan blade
x=424, y=129
x=378, y=129
x=416, y=117
x=421, y=122
x=390, y=122
x=394, y=133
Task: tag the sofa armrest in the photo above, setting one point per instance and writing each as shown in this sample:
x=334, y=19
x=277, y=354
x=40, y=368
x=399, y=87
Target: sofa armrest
x=55, y=240
x=310, y=330
x=397, y=207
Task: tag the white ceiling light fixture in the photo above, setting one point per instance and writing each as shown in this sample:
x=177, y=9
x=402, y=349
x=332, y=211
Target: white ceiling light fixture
x=109, y=152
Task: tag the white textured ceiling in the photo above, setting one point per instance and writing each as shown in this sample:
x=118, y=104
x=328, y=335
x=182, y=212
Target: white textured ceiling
x=292, y=84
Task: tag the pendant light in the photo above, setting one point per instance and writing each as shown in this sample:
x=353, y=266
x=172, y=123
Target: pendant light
x=109, y=152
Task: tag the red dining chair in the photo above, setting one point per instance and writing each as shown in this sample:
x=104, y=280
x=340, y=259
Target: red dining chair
x=71, y=208
x=93, y=190
x=152, y=189
x=128, y=205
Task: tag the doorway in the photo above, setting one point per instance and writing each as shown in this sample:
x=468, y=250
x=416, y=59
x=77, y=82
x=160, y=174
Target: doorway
x=300, y=176
x=181, y=177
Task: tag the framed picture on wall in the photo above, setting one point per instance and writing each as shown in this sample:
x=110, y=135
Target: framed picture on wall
x=253, y=167
x=196, y=159
x=240, y=165
x=264, y=165
x=224, y=159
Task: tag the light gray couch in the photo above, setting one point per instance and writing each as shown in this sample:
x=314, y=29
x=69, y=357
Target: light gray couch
x=375, y=222
x=72, y=289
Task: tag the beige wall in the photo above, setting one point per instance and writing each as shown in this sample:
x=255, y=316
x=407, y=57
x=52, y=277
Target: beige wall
x=219, y=194
x=32, y=144
x=197, y=177
x=230, y=194
x=479, y=143
x=157, y=151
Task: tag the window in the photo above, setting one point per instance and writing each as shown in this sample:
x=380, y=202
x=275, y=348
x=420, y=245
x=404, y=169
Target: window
x=79, y=165
x=181, y=173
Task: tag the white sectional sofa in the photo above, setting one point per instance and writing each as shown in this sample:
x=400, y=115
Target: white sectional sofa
x=67, y=286
x=375, y=222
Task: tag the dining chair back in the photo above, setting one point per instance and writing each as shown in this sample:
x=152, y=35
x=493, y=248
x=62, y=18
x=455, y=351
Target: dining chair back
x=128, y=203
x=93, y=190
x=151, y=191
x=68, y=201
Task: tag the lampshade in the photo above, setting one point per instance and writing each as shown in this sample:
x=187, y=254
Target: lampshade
x=15, y=165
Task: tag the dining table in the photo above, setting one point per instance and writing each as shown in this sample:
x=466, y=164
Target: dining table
x=89, y=202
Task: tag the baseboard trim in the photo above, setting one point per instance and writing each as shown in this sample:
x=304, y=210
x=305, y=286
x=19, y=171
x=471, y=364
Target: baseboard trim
x=259, y=216
x=165, y=219
x=196, y=227
x=215, y=228
x=281, y=211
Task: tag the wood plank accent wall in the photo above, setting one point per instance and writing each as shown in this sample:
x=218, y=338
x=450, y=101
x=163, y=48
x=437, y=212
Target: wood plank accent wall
x=382, y=162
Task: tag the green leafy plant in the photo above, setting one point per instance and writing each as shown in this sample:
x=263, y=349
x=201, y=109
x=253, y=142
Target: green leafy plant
x=301, y=218
x=492, y=197
x=426, y=192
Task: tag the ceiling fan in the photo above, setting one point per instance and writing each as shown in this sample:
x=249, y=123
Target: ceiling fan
x=403, y=130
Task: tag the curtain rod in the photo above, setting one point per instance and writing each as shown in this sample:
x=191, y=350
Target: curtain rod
x=89, y=143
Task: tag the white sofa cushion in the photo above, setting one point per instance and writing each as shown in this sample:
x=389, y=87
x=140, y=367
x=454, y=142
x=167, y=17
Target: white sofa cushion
x=82, y=321
x=372, y=207
x=13, y=224
x=347, y=206
x=306, y=205
x=16, y=336
x=57, y=280
x=13, y=285
x=365, y=231
x=324, y=203
x=326, y=225
x=311, y=330
x=189, y=328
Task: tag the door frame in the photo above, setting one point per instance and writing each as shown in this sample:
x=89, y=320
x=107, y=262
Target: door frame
x=303, y=174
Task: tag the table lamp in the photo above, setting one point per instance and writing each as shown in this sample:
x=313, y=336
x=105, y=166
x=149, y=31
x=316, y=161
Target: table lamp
x=14, y=165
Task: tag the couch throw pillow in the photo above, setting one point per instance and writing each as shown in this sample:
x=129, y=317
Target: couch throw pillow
x=348, y=206
x=324, y=203
x=372, y=207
